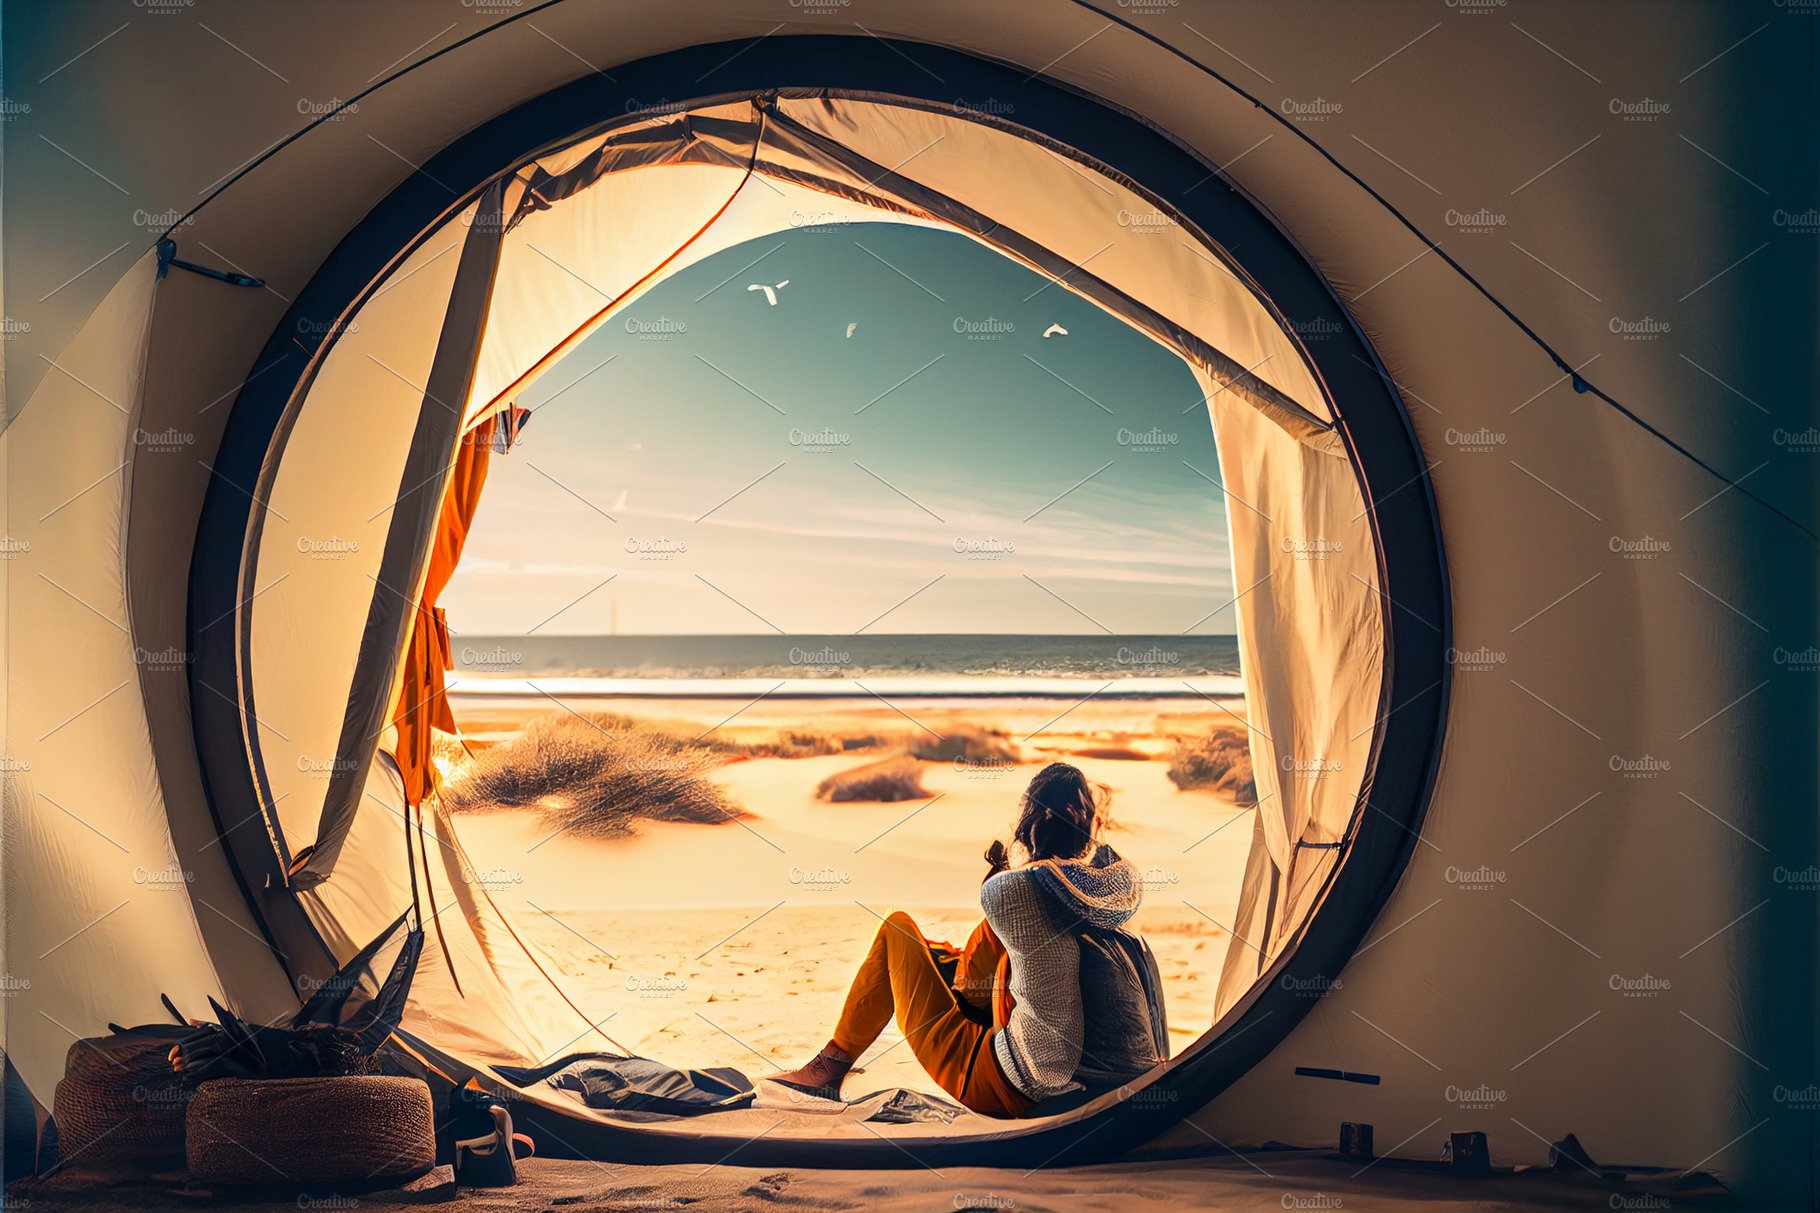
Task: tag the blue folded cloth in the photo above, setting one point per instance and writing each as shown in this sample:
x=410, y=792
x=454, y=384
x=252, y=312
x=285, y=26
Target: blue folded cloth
x=638, y=1084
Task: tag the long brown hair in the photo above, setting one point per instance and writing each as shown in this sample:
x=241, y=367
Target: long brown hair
x=1060, y=812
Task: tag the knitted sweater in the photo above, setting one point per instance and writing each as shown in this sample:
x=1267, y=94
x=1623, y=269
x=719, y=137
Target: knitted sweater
x=1042, y=912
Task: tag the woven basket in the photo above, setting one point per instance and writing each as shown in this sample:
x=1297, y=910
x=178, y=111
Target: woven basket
x=365, y=1130
x=120, y=1104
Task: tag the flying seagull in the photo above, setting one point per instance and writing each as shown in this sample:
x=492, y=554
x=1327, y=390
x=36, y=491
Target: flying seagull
x=852, y=328
x=770, y=291
x=1054, y=330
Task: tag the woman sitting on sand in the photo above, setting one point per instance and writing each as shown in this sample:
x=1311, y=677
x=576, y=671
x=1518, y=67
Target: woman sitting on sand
x=1052, y=993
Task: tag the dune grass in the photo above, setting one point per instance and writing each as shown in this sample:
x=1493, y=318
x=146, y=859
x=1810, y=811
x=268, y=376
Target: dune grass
x=966, y=744
x=596, y=775
x=1218, y=761
x=897, y=778
x=803, y=743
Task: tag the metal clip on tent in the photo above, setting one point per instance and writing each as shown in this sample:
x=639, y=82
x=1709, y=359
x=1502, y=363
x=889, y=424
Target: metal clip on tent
x=167, y=257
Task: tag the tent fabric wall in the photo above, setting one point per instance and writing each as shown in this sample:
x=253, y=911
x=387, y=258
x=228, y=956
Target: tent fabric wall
x=1634, y=653
x=1311, y=644
x=1250, y=950
x=99, y=910
x=539, y=299
x=329, y=501
x=431, y=459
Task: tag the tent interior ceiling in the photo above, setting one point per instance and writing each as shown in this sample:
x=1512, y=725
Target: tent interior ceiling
x=268, y=155
x=1438, y=92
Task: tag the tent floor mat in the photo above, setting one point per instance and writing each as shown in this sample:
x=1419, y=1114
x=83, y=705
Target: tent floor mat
x=1274, y=1182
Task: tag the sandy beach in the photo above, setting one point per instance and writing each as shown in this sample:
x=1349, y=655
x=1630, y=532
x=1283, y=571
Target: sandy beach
x=732, y=944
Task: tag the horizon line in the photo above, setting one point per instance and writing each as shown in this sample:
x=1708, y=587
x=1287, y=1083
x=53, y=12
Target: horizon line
x=843, y=635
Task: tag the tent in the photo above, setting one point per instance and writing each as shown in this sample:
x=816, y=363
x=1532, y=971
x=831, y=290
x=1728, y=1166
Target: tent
x=1528, y=568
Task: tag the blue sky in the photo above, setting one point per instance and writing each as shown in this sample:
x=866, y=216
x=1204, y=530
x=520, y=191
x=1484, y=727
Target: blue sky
x=945, y=468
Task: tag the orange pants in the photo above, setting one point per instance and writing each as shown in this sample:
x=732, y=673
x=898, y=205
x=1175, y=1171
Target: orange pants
x=952, y=1040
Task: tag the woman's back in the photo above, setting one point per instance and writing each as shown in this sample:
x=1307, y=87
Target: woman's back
x=1088, y=1008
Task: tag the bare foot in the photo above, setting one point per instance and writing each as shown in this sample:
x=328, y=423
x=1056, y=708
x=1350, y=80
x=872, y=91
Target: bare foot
x=821, y=1077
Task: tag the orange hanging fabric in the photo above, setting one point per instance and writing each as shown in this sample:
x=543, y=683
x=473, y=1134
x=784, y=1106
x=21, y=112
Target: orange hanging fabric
x=422, y=704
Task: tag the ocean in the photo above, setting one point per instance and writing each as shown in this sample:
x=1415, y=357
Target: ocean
x=913, y=664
